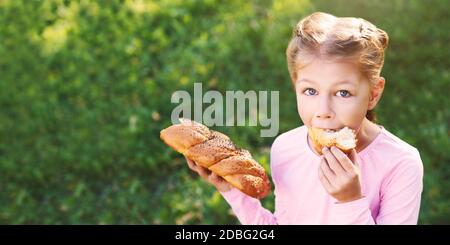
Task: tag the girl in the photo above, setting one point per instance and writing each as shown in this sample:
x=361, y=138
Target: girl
x=335, y=64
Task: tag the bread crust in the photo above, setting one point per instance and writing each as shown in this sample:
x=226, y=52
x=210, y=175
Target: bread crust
x=319, y=141
x=216, y=151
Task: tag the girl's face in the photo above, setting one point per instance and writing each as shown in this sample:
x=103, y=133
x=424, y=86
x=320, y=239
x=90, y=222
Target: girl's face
x=332, y=95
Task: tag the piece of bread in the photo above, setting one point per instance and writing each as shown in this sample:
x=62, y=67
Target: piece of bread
x=215, y=151
x=344, y=139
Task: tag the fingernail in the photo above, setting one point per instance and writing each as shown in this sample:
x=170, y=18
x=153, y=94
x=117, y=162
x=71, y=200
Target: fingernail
x=324, y=149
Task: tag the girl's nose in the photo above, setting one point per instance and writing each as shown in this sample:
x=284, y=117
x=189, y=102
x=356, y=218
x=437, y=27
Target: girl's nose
x=324, y=110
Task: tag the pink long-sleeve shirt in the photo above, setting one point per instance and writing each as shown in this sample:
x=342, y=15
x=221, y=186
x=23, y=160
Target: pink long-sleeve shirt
x=391, y=183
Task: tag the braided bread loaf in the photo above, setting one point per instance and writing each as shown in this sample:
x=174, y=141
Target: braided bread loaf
x=216, y=152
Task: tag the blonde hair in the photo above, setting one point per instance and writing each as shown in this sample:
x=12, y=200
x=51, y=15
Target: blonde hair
x=326, y=36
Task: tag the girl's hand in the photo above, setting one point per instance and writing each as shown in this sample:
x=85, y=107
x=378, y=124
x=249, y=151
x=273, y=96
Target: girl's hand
x=210, y=177
x=340, y=174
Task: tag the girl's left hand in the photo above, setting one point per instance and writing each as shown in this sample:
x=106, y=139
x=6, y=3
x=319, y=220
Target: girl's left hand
x=340, y=174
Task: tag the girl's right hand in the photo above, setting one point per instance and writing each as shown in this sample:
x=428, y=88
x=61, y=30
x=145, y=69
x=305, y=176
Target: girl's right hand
x=210, y=177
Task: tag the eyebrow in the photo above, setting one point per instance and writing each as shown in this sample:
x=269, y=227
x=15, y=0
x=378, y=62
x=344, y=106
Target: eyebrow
x=338, y=83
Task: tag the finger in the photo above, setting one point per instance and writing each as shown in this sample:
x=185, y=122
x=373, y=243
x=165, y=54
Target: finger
x=342, y=159
x=215, y=178
x=332, y=161
x=219, y=182
x=327, y=170
x=203, y=172
x=325, y=182
x=354, y=157
x=191, y=164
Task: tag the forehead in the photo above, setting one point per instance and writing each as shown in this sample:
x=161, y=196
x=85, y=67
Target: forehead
x=329, y=72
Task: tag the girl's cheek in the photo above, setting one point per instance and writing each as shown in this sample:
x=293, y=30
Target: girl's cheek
x=351, y=113
x=305, y=110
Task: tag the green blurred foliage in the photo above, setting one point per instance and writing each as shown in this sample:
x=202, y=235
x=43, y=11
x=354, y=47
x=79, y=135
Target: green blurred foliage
x=85, y=88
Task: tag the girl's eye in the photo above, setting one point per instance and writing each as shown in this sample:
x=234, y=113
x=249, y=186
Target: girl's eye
x=343, y=93
x=309, y=91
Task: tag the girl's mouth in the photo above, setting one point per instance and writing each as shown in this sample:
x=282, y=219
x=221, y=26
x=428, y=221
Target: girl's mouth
x=331, y=130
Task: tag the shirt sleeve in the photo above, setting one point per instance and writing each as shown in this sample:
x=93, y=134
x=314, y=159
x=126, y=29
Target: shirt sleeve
x=248, y=210
x=400, y=196
x=401, y=193
x=352, y=213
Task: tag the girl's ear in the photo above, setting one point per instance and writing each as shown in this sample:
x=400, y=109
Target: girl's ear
x=375, y=93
